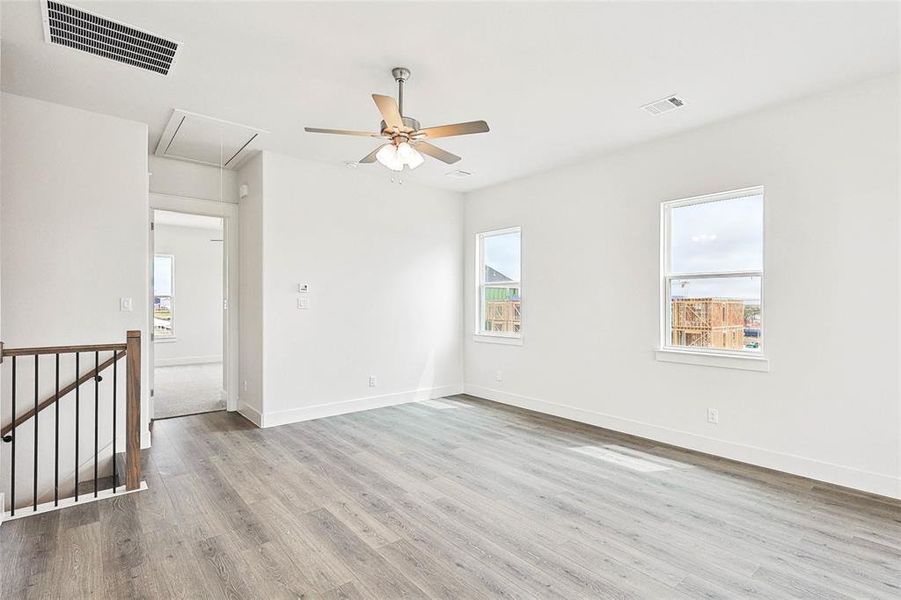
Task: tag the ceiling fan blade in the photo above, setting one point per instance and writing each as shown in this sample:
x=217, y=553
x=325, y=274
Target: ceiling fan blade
x=341, y=132
x=455, y=129
x=388, y=107
x=370, y=158
x=436, y=152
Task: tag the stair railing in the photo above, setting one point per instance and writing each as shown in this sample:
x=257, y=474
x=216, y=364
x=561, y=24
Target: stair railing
x=131, y=351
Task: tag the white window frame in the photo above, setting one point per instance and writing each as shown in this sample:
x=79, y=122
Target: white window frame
x=754, y=360
x=171, y=336
x=496, y=337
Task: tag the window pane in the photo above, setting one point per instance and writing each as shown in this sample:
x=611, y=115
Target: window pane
x=722, y=312
x=162, y=315
x=717, y=236
x=501, y=309
x=162, y=275
x=501, y=256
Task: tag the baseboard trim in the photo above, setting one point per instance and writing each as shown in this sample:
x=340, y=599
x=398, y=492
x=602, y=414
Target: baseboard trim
x=250, y=413
x=866, y=481
x=45, y=507
x=187, y=360
x=319, y=411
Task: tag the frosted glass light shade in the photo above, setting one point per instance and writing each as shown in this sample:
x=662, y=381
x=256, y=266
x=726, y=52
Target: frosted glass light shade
x=415, y=159
x=388, y=156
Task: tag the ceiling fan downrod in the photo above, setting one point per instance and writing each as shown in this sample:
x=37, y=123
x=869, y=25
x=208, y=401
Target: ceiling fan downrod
x=401, y=74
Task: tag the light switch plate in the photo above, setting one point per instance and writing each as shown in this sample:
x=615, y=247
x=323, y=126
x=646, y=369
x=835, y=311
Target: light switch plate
x=125, y=305
x=303, y=302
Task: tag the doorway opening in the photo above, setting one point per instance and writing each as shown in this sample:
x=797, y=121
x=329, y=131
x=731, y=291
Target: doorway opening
x=188, y=314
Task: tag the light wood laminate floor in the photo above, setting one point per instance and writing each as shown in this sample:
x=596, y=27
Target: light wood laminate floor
x=455, y=499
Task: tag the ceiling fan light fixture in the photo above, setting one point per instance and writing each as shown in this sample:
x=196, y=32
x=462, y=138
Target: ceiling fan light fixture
x=405, y=151
x=388, y=156
x=415, y=160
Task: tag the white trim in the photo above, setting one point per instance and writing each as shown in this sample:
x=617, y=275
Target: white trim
x=188, y=360
x=229, y=214
x=859, y=479
x=728, y=360
x=480, y=285
x=2, y=507
x=703, y=357
x=497, y=338
x=318, y=411
x=754, y=190
x=46, y=507
x=250, y=413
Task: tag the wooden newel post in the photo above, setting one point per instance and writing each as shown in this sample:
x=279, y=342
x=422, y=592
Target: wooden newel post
x=133, y=411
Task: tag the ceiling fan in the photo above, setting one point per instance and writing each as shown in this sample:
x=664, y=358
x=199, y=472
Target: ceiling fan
x=404, y=138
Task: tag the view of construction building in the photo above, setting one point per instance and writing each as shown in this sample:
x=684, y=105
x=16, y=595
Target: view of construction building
x=503, y=310
x=725, y=323
x=503, y=305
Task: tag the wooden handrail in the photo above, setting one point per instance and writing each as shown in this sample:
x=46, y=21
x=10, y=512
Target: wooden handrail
x=63, y=349
x=62, y=391
x=132, y=350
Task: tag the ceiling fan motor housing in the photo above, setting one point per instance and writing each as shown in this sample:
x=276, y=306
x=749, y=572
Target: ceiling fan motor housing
x=410, y=125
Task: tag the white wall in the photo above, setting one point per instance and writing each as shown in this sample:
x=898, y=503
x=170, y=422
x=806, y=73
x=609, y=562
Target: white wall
x=384, y=265
x=250, y=221
x=75, y=237
x=829, y=407
x=192, y=180
x=197, y=295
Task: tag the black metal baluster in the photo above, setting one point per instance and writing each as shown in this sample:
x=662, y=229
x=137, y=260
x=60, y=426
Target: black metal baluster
x=56, y=438
x=115, y=386
x=77, y=421
x=12, y=485
x=35, y=482
x=96, y=414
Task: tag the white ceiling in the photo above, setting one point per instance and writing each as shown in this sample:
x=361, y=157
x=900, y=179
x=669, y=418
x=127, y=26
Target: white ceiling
x=554, y=81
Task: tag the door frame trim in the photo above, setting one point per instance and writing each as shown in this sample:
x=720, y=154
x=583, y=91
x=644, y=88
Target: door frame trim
x=229, y=214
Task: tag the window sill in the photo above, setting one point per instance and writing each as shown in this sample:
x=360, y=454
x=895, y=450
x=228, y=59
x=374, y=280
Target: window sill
x=487, y=338
x=165, y=339
x=726, y=360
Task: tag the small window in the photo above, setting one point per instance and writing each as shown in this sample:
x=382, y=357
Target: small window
x=712, y=280
x=499, y=287
x=163, y=291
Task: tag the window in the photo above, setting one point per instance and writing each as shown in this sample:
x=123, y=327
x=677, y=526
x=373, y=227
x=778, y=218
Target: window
x=712, y=279
x=499, y=288
x=163, y=283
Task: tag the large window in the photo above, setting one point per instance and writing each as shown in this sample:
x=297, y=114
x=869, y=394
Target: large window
x=499, y=286
x=163, y=289
x=712, y=279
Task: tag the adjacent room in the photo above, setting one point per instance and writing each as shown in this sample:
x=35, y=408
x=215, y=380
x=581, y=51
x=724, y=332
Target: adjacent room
x=450, y=299
x=187, y=282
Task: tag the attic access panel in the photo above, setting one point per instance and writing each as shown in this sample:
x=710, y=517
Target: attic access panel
x=206, y=140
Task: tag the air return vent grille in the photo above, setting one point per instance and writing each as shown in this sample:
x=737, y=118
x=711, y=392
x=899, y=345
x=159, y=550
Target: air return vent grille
x=75, y=28
x=665, y=105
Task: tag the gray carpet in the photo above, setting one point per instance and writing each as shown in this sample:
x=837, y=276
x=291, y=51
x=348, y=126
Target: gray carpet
x=187, y=390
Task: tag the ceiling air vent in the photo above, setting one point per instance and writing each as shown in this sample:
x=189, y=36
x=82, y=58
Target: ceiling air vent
x=664, y=105
x=79, y=29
